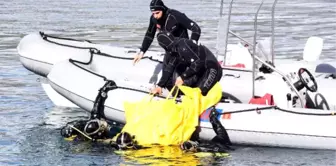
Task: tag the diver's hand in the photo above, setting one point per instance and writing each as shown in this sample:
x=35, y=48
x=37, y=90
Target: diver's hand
x=179, y=81
x=138, y=57
x=156, y=90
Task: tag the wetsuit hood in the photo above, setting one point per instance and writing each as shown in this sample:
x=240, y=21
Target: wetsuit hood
x=166, y=40
x=125, y=140
x=156, y=5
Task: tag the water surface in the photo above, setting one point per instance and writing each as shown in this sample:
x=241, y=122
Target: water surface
x=29, y=134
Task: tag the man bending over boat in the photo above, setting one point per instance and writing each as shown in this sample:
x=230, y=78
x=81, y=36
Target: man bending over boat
x=198, y=67
x=166, y=19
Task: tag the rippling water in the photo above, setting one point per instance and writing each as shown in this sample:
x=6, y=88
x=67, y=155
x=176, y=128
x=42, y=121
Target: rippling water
x=29, y=134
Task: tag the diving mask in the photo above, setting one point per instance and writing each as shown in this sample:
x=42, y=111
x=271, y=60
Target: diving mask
x=95, y=126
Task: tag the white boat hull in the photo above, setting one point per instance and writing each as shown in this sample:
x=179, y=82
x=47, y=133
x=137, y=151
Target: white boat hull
x=57, y=99
x=269, y=128
x=39, y=56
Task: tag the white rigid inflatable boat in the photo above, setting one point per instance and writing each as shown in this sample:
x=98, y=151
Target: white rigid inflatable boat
x=283, y=125
x=300, y=116
x=39, y=52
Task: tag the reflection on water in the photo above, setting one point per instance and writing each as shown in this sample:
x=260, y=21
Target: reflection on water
x=57, y=117
x=169, y=155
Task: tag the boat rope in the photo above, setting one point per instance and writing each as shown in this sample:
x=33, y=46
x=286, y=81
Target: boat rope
x=45, y=37
x=98, y=52
x=258, y=110
x=62, y=38
x=92, y=52
x=74, y=62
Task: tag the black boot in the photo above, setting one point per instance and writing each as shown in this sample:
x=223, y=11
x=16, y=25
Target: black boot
x=222, y=136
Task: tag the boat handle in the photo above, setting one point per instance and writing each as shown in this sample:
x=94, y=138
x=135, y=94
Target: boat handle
x=232, y=75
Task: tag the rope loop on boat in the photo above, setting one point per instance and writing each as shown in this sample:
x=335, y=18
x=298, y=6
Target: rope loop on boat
x=278, y=108
x=44, y=36
x=92, y=49
x=92, y=52
x=258, y=110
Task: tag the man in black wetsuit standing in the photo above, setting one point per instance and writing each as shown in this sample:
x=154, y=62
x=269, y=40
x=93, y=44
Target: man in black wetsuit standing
x=165, y=19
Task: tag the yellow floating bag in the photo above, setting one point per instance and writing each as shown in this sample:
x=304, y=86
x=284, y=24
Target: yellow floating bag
x=166, y=122
x=200, y=102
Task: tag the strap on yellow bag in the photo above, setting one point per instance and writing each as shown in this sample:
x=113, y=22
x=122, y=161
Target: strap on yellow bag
x=166, y=122
x=203, y=102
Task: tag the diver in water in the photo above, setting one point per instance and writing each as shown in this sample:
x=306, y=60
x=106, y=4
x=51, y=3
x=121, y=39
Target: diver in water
x=97, y=129
x=166, y=19
x=198, y=67
x=100, y=131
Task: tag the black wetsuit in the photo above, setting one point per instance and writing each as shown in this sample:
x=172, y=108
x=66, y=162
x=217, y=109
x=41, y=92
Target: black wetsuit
x=108, y=133
x=196, y=64
x=172, y=21
x=105, y=136
x=220, y=143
